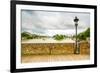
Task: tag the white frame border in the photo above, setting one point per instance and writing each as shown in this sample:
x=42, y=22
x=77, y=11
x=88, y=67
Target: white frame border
x=20, y=65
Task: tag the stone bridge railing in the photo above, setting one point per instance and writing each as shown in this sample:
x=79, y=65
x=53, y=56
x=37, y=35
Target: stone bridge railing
x=53, y=48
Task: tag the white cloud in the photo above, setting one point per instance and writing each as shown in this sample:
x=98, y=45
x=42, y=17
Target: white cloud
x=42, y=21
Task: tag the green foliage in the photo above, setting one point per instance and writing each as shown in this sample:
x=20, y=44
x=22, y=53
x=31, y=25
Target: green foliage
x=84, y=35
x=26, y=35
x=87, y=32
x=59, y=37
x=81, y=37
x=35, y=36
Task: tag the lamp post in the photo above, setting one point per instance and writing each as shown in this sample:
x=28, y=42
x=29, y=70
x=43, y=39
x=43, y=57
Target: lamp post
x=76, y=51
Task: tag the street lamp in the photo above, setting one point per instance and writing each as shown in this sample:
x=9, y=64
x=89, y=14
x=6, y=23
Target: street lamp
x=76, y=51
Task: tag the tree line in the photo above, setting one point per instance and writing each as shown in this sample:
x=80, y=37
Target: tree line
x=81, y=36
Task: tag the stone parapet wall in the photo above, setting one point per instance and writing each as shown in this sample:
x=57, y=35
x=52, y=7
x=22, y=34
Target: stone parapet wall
x=53, y=48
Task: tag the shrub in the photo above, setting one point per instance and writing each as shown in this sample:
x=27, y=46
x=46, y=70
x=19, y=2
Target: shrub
x=59, y=37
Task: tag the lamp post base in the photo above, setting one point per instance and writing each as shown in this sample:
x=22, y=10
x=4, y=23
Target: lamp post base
x=77, y=51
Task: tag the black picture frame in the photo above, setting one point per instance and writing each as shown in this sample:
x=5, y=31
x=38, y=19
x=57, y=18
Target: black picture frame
x=13, y=35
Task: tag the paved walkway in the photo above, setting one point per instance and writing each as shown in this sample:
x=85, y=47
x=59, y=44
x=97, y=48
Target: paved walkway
x=48, y=40
x=50, y=58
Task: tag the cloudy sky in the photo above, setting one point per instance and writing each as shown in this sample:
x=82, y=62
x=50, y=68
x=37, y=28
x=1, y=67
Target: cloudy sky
x=51, y=23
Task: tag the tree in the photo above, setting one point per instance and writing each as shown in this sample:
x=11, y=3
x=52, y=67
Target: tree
x=59, y=37
x=26, y=35
x=84, y=35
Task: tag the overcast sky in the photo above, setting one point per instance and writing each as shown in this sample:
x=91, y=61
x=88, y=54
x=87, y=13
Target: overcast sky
x=51, y=23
